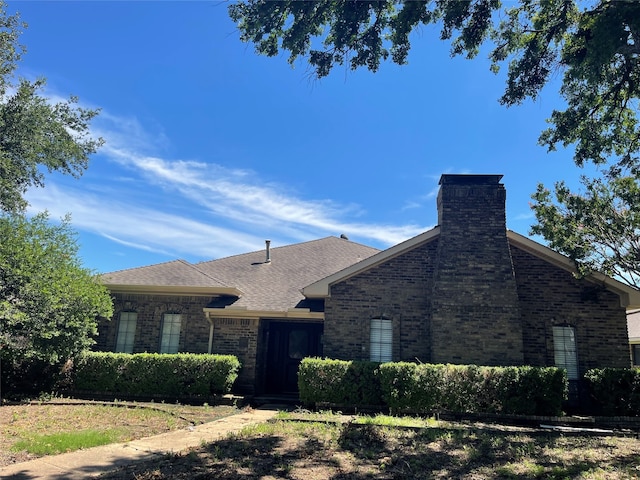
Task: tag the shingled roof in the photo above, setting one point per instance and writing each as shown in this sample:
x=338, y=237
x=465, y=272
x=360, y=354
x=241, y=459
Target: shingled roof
x=259, y=285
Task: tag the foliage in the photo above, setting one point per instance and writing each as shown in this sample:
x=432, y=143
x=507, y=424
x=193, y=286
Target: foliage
x=339, y=382
x=153, y=374
x=594, y=46
x=598, y=228
x=49, y=303
x=429, y=388
x=615, y=391
x=594, y=43
x=36, y=133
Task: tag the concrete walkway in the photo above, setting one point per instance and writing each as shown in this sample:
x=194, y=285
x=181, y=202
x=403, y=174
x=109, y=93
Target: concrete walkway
x=92, y=462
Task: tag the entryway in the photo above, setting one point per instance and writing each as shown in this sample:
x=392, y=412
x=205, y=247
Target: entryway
x=289, y=343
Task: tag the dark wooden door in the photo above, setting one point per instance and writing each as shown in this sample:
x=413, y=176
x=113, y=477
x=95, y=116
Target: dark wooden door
x=289, y=343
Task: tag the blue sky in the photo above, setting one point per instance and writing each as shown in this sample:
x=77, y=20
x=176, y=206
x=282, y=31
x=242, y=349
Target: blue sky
x=211, y=149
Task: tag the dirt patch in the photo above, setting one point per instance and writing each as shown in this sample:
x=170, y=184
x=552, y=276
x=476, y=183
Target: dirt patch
x=314, y=451
x=132, y=421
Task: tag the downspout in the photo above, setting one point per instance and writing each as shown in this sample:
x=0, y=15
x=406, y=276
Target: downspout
x=210, y=320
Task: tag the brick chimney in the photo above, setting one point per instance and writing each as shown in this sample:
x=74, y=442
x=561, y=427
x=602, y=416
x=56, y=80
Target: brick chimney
x=475, y=313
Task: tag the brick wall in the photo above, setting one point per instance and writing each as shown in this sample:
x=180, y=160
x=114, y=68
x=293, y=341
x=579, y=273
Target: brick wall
x=194, y=331
x=238, y=336
x=550, y=296
x=398, y=289
x=475, y=316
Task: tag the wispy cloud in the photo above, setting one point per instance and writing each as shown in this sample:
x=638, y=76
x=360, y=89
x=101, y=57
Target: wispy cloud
x=235, y=208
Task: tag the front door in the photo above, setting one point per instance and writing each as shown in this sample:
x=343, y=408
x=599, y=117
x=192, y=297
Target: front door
x=288, y=344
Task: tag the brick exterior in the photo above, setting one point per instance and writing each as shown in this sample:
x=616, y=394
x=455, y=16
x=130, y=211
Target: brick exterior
x=398, y=289
x=550, y=296
x=474, y=305
x=232, y=336
x=194, y=331
x=467, y=296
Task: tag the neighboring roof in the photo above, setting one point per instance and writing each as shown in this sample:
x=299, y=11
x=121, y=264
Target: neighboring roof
x=261, y=286
x=177, y=276
x=629, y=296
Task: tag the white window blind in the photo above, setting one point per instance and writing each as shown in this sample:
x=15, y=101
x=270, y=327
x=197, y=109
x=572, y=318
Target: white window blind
x=126, y=332
x=170, y=340
x=381, y=341
x=565, y=352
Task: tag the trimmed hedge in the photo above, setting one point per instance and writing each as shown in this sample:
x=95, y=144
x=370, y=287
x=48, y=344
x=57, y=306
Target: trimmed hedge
x=155, y=374
x=339, y=382
x=427, y=388
x=614, y=391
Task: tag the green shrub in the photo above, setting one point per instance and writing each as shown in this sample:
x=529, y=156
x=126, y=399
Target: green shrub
x=614, y=391
x=339, y=382
x=155, y=374
x=428, y=388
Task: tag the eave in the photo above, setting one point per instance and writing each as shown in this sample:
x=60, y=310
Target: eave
x=174, y=290
x=243, y=312
x=629, y=296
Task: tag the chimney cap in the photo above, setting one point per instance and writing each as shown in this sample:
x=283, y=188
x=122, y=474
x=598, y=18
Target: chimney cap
x=469, y=179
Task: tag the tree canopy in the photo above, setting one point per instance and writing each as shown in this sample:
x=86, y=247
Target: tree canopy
x=49, y=303
x=594, y=45
x=36, y=134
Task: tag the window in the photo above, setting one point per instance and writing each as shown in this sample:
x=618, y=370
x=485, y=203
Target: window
x=635, y=355
x=381, y=340
x=126, y=332
x=170, y=340
x=564, y=348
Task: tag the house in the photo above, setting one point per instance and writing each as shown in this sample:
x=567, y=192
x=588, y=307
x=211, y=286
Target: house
x=467, y=291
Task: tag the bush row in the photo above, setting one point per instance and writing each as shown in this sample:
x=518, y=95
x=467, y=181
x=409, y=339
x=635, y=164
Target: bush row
x=154, y=374
x=614, y=391
x=427, y=388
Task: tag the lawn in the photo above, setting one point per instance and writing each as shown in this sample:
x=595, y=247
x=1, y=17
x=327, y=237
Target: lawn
x=293, y=449
x=317, y=446
x=31, y=430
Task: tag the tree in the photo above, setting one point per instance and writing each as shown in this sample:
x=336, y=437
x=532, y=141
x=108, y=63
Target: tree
x=35, y=134
x=598, y=228
x=594, y=44
x=49, y=303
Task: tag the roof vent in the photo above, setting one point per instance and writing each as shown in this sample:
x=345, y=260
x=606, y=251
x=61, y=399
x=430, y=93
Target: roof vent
x=268, y=244
x=344, y=237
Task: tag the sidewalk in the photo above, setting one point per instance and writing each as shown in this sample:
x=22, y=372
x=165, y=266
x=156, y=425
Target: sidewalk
x=92, y=462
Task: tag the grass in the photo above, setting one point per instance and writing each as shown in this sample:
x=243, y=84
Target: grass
x=36, y=429
x=328, y=445
x=66, y=441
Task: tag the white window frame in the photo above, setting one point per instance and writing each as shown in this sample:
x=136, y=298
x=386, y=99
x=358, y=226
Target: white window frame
x=126, y=332
x=170, y=335
x=381, y=340
x=565, y=350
